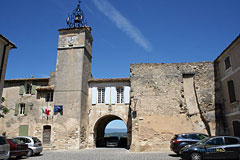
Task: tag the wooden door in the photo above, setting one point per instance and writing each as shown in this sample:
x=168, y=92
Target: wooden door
x=46, y=134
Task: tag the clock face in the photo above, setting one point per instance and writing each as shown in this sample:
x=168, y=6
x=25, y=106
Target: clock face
x=71, y=40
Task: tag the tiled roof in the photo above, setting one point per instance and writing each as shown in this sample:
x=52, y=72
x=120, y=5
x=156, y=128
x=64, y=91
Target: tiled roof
x=45, y=88
x=110, y=80
x=27, y=79
x=13, y=45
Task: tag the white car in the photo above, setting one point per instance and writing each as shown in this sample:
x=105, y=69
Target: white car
x=4, y=148
x=34, y=144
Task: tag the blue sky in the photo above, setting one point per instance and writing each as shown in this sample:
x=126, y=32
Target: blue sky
x=116, y=124
x=124, y=32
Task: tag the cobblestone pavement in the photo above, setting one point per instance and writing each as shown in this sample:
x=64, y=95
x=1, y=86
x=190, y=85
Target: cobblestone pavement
x=104, y=154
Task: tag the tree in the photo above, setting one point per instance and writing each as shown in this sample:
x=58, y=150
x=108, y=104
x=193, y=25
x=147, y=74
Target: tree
x=3, y=110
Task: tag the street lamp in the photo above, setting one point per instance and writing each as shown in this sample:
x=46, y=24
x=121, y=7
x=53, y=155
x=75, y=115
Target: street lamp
x=135, y=99
x=134, y=113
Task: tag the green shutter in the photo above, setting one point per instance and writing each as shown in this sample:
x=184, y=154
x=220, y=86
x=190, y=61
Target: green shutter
x=23, y=130
x=26, y=110
x=33, y=89
x=21, y=90
x=16, y=109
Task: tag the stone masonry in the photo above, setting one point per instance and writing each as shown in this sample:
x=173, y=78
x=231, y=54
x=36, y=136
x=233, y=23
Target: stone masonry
x=171, y=98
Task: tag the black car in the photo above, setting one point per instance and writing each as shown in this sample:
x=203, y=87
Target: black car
x=181, y=140
x=218, y=147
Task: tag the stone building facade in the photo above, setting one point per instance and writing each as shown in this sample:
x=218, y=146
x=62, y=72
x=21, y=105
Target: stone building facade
x=227, y=69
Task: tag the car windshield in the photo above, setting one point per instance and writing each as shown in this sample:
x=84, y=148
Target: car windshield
x=202, y=141
x=15, y=141
x=36, y=140
x=3, y=141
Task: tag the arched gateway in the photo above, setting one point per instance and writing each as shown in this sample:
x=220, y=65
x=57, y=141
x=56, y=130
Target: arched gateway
x=110, y=101
x=99, y=130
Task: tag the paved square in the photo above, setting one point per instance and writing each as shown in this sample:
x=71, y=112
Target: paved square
x=104, y=154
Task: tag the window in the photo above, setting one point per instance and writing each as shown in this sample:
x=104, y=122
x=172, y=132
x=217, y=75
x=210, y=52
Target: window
x=120, y=95
x=101, y=95
x=3, y=141
x=215, y=141
x=185, y=136
x=227, y=63
x=192, y=136
x=29, y=89
x=230, y=141
x=231, y=91
x=22, y=108
x=202, y=136
x=49, y=97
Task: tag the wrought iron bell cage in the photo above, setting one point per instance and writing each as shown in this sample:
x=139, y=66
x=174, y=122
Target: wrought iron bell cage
x=76, y=19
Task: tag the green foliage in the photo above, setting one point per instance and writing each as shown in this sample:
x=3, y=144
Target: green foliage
x=3, y=110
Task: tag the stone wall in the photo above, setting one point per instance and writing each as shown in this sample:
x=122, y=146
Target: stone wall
x=171, y=99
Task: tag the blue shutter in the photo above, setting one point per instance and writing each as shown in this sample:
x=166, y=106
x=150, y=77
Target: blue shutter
x=94, y=95
x=107, y=95
x=113, y=95
x=126, y=94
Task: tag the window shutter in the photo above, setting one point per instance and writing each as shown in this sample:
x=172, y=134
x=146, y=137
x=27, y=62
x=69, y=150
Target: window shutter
x=126, y=94
x=94, y=95
x=26, y=110
x=21, y=90
x=16, y=109
x=33, y=91
x=113, y=95
x=108, y=95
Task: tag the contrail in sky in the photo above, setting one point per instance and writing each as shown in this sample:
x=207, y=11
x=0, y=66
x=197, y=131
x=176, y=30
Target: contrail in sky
x=123, y=23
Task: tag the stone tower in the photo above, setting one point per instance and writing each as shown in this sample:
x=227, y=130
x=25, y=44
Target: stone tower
x=73, y=70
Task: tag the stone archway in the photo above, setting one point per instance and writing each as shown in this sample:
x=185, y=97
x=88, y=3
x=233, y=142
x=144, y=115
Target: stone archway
x=99, y=130
x=236, y=128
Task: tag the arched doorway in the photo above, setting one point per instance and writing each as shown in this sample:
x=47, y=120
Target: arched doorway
x=99, y=132
x=236, y=128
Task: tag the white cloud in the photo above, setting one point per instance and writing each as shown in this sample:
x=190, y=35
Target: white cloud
x=122, y=23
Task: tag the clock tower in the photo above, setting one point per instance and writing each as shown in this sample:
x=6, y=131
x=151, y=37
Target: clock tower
x=73, y=70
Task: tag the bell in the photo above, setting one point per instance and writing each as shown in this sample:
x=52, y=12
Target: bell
x=78, y=19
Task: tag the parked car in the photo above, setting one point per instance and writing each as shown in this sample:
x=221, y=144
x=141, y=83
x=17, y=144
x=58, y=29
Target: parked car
x=112, y=141
x=4, y=148
x=34, y=144
x=181, y=140
x=218, y=147
x=17, y=148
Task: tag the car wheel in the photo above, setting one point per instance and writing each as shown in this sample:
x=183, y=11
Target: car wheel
x=30, y=153
x=196, y=156
x=37, y=154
